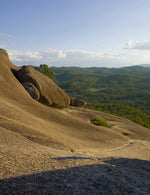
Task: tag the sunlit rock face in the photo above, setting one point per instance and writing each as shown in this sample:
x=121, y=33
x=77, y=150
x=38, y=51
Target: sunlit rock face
x=50, y=93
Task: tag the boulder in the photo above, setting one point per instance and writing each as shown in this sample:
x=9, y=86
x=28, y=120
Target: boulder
x=50, y=93
x=32, y=90
x=77, y=102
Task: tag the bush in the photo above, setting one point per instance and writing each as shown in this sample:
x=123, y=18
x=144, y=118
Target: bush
x=100, y=121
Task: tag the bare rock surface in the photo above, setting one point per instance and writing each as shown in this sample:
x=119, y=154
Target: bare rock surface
x=4, y=52
x=52, y=151
x=113, y=176
x=50, y=93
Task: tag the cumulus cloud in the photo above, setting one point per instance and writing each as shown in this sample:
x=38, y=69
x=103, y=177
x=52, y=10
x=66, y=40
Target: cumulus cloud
x=23, y=57
x=61, y=54
x=141, y=45
x=82, y=58
x=74, y=57
x=5, y=35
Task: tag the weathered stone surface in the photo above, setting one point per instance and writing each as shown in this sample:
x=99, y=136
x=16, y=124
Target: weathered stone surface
x=32, y=90
x=50, y=93
x=3, y=51
x=77, y=102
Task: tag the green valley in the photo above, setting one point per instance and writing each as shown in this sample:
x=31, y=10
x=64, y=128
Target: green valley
x=121, y=91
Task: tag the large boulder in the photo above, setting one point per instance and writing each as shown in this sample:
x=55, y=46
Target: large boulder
x=50, y=93
x=77, y=102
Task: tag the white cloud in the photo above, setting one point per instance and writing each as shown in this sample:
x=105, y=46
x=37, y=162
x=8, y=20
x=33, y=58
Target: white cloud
x=82, y=58
x=5, y=35
x=61, y=54
x=141, y=45
x=23, y=57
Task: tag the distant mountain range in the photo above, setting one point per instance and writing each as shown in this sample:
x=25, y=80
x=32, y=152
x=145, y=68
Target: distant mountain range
x=145, y=65
x=132, y=67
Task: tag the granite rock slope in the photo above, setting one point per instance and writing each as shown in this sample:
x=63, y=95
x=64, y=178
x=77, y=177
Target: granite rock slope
x=60, y=151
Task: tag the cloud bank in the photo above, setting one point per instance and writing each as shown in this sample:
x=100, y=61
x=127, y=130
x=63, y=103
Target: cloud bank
x=129, y=55
x=141, y=45
x=22, y=57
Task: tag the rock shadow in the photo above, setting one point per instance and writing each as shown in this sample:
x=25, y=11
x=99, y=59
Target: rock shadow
x=116, y=176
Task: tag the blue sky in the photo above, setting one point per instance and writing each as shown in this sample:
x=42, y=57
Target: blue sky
x=111, y=33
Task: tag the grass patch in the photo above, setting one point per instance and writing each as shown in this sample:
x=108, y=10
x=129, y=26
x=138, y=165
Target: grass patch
x=100, y=121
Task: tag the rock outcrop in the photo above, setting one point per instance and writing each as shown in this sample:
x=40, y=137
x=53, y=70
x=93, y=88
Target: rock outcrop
x=2, y=51
x=50, y=93
x=4, y=59
x=77, y=102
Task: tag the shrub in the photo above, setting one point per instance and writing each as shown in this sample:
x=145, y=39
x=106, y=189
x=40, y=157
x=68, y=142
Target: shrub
x=100, y=121
x=45, y=70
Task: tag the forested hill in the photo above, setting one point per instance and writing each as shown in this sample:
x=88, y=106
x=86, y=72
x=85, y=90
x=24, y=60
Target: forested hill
x=121, y=91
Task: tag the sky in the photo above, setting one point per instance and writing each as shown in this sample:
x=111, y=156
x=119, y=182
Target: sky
x=102, y=33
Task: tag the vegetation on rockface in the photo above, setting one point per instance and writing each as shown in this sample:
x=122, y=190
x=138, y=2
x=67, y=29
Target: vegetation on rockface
x=124, y=111
x=100, y=121
x=121, y=91
x=45, y=70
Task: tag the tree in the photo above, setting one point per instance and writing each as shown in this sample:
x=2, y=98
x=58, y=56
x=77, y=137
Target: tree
x=45, y=70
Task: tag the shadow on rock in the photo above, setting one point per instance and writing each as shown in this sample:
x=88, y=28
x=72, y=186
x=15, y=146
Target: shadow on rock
x=117, y=176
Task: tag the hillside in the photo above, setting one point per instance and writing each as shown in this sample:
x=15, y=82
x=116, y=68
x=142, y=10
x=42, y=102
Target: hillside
x=46, y=150
x=120, y=91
